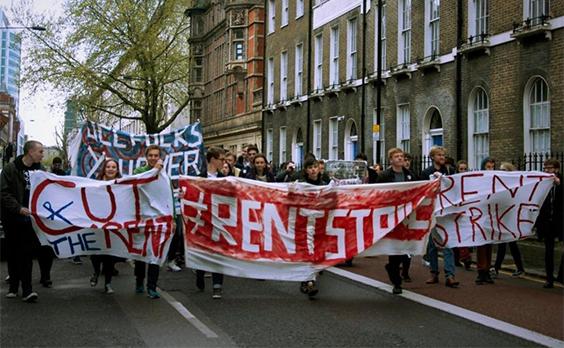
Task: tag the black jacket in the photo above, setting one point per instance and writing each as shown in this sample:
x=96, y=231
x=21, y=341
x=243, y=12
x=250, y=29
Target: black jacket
x=550, y=223
x=388, y=176
x=318, y=182
x=445, y=170
x=253, y=175
x=12, y=187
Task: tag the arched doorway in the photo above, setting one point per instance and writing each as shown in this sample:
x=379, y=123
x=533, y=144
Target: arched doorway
x=298, y=148
x=351, y=140
x=432, y=130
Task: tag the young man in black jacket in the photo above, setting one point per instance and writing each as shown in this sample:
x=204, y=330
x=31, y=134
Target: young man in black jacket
x=439, y=167
x=397, y=173
x=16, y=218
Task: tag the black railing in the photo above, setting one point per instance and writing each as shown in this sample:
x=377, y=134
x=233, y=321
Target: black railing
x=535, y=161
x=530, y=22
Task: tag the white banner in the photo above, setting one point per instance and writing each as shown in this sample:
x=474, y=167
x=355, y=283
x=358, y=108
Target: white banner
x=488, y=207
x=130, y=217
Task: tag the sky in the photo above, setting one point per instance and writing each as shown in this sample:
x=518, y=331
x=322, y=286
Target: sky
x=41, y=112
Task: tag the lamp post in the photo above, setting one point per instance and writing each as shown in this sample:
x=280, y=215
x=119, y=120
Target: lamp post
x=31, y=28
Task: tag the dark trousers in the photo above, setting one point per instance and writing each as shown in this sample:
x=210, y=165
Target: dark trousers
x=21, y=241
x=484, y=257
x=107, y=261
x=177, y=241
x=393, y=268
x=515, y=253
x=45, y=257
x=405, y=265
x=217, y=279
x=152, y=274
x=549, y=244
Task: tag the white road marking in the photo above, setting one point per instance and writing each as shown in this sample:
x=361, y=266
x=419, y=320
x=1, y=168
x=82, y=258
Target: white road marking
x=481, y=319
x=187, y=315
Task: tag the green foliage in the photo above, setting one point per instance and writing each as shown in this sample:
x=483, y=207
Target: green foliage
x=125, y=59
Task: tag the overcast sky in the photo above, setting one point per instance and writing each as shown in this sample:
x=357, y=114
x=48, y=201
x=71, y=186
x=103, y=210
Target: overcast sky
x=42, y=112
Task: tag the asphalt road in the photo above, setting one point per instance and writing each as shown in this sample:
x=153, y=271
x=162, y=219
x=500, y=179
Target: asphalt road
x=251, y=313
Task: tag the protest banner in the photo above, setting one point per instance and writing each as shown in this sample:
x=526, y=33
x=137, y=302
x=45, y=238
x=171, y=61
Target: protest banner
x=130, y=217
x=488, y=207
x=259, y=230
x=346, y=172
x=93, y=143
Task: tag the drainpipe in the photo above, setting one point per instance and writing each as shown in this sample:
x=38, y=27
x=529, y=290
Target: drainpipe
x=309, y=35
x=379, y=80
x=264, y=60
x=459, y=40
x=363, y=102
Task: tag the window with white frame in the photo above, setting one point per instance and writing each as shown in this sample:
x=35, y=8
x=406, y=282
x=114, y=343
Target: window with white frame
x=298, y=70
x=404, y=32
x=537, y=116
x=270, y=81
x=381, y=139
x=478, y=17
x=334, y=53
x=269, y=144
x=317, y=138
x=284, y=15
x=479, y=125
x=282, y=145
x=536, y=10
x=299, y=8
x=351, y=49
x=271, y=16
x=432, y=36
x=382, y=40
x=284, y=76
x=403, y=124
x=334, y=138
x=318, y=61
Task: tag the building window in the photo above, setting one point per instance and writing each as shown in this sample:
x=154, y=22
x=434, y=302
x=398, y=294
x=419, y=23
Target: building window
x=334, y=67
x=318, y=61
x=270, y=81
x=351, y=141
x=433, y=130
x=284, y=19
x=269, y=144
x=536, y=10
x=282, y=144
x=238, y=40
x=537, y=116
x=271, y=16
x=479, y=127
x=334, y=138
x=299, y=61
x=478, y=17
x=298, y=148
x=351, y=49
x=283, y=76
x=382, y=41
x=432, y=11
x=299, y=8
x=198, y=69
x=403, y=124
x=317, y=138
x=404, y=48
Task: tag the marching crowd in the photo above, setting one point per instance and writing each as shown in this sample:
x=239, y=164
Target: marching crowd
x=23, y=244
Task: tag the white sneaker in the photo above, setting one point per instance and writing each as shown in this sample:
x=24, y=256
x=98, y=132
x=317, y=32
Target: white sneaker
x=173, y=267
x=108, y=289
x=32, y=297
x=11, y=295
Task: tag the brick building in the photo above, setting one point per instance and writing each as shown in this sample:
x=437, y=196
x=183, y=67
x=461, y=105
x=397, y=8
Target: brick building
x=227, y=48
x=489, y=84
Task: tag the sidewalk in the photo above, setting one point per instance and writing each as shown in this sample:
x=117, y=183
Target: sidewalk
x=519, y=301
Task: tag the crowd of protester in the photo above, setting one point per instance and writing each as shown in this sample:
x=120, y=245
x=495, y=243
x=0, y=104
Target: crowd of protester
x=23, y=244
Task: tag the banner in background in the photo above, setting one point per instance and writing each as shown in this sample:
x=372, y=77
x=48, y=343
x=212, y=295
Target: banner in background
x=129, y=217
x=252, y=229
x=93, y=143
x=486, y=207
x=346, y=172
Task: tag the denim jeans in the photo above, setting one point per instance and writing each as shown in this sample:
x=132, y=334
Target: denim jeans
x=448, y=259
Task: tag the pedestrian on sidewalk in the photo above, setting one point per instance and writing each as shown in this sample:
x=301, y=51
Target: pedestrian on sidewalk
x=550, y=223
x=215, y=157
x=484, y=252
x=153, y=157
x=109, y=171
x=439, y=167
x=513, y=246
x=15, y=188
x=397, y=172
